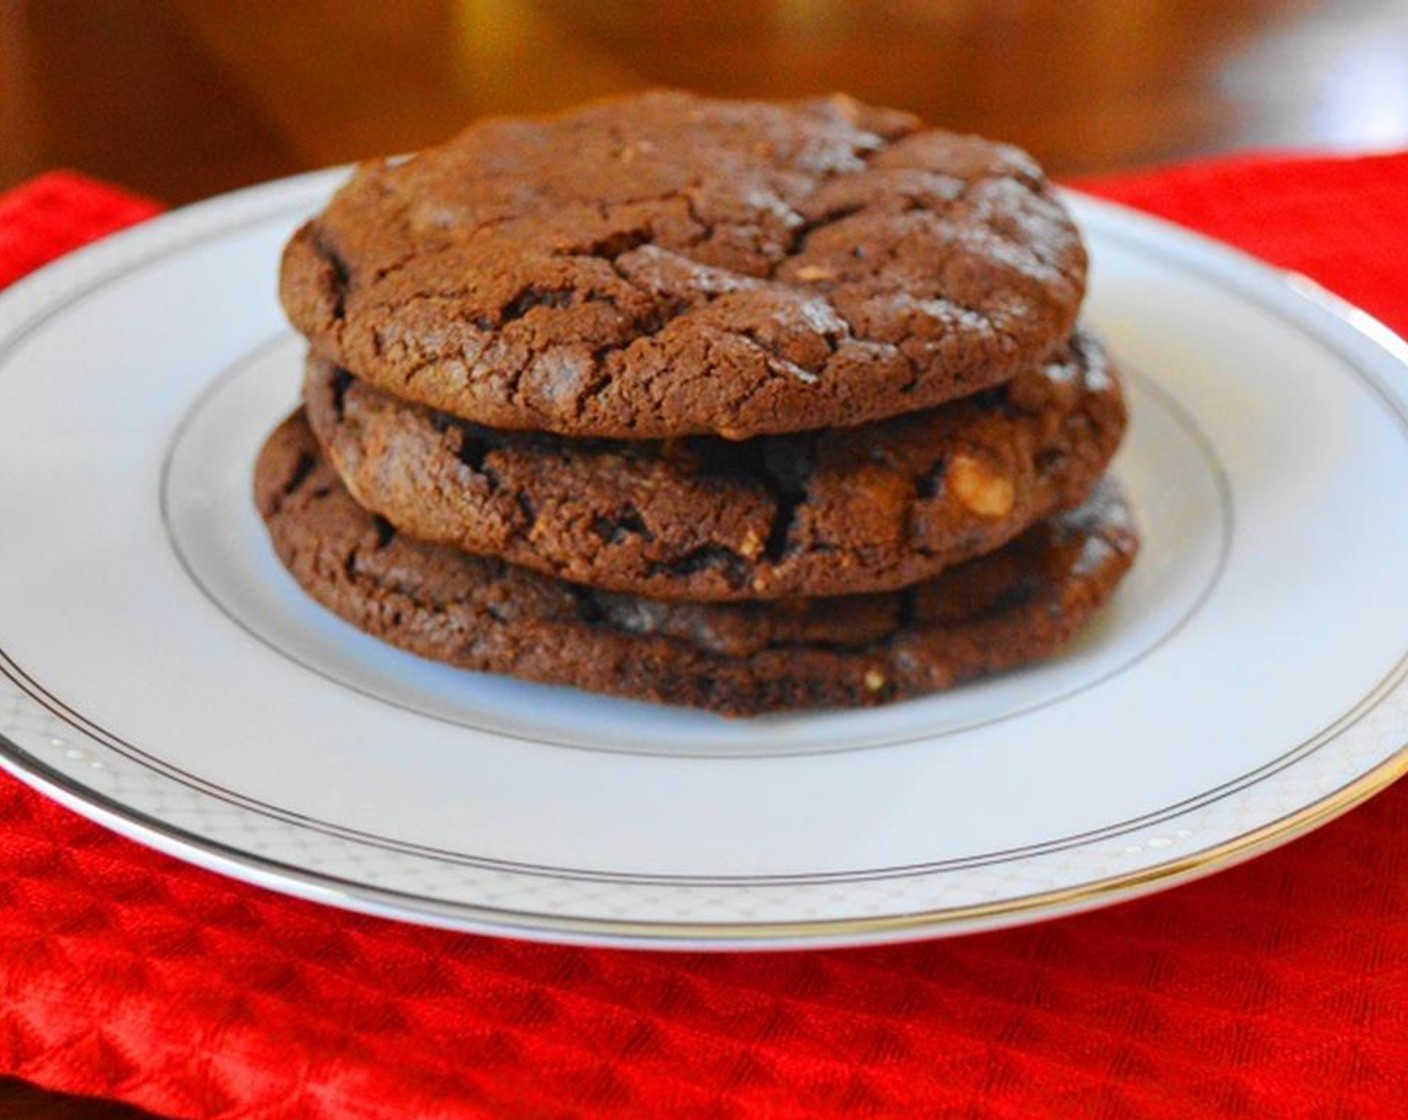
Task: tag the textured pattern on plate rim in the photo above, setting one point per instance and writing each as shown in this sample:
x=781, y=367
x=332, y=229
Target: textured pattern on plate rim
x=341, y=870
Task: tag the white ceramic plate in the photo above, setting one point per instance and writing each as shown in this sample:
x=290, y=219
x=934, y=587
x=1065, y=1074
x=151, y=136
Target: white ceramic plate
x=160, y=673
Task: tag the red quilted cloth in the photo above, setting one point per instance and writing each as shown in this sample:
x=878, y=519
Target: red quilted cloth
x=1279, y=988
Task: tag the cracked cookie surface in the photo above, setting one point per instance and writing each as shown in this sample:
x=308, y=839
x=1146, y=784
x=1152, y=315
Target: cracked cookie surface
x=665, y=265
x=1019, y=604
x=817, y=513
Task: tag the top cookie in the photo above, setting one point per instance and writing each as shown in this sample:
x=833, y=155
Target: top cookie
x=665, y=265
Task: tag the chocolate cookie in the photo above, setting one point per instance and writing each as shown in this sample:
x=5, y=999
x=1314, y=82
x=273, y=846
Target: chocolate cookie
x=816, y=513
x=665, y=265
x=1011, y=607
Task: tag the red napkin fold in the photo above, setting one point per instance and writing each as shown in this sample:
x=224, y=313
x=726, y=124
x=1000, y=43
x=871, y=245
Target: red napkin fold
x=1279, y=988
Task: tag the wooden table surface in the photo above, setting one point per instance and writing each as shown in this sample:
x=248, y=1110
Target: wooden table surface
x=183, y=99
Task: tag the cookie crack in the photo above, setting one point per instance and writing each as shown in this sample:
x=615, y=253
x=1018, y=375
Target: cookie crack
x=385, y=531
x=798, y=243
x=302, y=468
x=619, y=527
x=615, y=245
x=341, y=276
x=712, y=557
x=341, y=382
x=532, y=296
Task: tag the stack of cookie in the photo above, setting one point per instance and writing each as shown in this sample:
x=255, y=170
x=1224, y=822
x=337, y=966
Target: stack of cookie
x=737, y=405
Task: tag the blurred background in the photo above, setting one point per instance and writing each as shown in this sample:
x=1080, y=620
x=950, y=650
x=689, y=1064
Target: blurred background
x=187, y=98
